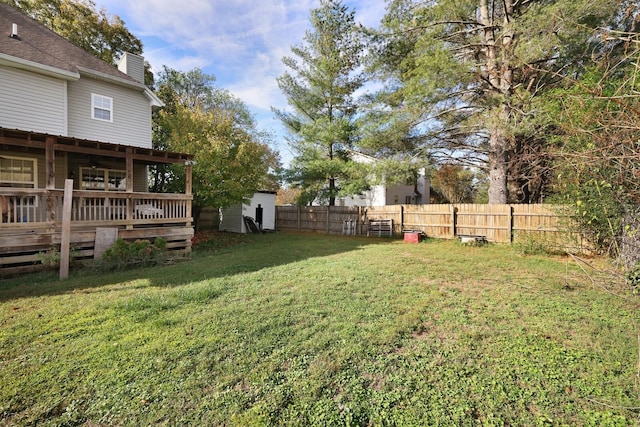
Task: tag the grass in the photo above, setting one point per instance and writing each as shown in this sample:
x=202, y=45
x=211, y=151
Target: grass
x=292, y=329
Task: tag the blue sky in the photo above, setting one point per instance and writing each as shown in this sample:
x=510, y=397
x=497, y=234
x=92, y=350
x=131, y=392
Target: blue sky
x=241, y=42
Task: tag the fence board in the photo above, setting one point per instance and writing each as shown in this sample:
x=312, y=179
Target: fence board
x=547, y=224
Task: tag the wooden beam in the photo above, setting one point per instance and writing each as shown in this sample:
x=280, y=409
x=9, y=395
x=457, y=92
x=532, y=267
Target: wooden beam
x=189, y=188
x=66, y=228
x=50, y=162
x=129, y=169
x=36, y=140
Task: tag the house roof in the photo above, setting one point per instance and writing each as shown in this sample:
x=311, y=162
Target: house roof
x=39, y=49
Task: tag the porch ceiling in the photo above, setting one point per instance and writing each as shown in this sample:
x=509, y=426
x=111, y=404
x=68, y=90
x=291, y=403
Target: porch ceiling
x=35, y=140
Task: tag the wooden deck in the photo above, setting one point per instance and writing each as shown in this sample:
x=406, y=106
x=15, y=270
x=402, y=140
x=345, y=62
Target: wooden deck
x=32, y=222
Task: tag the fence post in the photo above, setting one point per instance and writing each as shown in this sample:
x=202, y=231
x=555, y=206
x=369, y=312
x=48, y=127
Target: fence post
x=298, y=217
x=328, y=212
x=510, y=224
x=401, y=218
x=454, y=219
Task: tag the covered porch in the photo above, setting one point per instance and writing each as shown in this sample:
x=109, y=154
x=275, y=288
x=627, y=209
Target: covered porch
x=109, y=191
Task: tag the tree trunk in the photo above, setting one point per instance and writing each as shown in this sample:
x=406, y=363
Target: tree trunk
x=500, y=76
x=498, y=193
x=332, y=191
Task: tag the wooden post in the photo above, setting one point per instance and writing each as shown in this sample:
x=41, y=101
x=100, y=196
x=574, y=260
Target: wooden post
x=129, y=185
x=50, y=162
x=453, y=220
x=299, y=214
x=129, y=169
x=50, y=172
x=66, y=229
x=328, y=214
x=511, y=225
x=189, y=187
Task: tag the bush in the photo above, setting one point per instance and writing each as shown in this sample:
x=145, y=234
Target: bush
x=141, y=253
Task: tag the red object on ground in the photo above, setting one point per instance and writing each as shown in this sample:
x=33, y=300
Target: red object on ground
x=412, y=237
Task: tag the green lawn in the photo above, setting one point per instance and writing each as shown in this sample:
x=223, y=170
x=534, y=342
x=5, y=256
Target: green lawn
x=290, y=329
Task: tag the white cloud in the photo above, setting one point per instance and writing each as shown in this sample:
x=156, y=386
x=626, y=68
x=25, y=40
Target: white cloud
x=241, y=42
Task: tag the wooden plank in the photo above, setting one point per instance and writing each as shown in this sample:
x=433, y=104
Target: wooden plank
x=105, y=238
x=66, y=229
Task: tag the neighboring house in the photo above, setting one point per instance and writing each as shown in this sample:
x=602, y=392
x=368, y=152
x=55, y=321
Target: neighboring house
x=65, y=114
x=261, y=208
x=382, y=195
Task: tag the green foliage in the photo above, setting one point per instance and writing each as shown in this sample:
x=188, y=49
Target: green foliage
x=633, y=277
x=50, y=258
x=78, y=21
x=455, y=183
x=537, y=245
x=233, y=159
x=320, y=87
x=140, y=253
x=460, y=79
x=598, y=151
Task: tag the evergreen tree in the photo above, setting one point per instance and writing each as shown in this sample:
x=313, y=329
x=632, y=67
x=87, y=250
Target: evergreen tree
x=461, y=75
x=319, y=87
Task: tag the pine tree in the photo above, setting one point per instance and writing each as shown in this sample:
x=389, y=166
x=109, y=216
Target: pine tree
x=461, y=75
x=323, y=76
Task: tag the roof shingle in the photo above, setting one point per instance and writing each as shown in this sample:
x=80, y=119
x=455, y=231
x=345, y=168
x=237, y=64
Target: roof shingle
x=36, y=43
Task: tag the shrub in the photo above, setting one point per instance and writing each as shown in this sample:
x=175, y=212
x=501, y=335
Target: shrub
x=51, y=257
x=141, y=253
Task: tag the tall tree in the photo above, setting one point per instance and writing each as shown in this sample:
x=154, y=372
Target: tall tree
x=78, y=21
x=320, y=89
x=454, y=183
x=233, y=158
x=461, y=75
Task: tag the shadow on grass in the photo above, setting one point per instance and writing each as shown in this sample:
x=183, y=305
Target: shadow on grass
x=247, y=253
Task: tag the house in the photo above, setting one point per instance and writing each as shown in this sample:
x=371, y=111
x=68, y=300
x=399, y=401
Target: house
x=261, y=209
x=65, y=114
x=384, y=195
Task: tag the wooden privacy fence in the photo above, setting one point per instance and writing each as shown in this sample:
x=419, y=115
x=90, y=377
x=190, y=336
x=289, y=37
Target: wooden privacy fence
x=498, y=223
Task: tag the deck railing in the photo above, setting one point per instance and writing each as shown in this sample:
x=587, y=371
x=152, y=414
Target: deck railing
x=29, y=207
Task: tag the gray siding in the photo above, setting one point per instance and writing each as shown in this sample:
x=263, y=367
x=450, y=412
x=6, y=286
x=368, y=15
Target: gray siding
x=32, y=102
x=132, y=65
x=131, y=114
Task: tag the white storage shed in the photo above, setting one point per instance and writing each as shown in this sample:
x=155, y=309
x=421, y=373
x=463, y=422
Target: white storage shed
x=262, y=204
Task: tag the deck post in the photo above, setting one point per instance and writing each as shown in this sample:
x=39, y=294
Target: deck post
x=189, y=187
x=129, y=169
x=50, y=162
x=66, y=229
x=50, y=172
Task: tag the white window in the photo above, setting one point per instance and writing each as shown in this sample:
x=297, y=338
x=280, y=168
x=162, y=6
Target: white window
x=18, y=172
x=102, y=179
x=101, y=107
